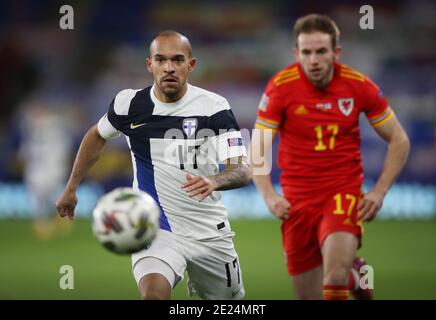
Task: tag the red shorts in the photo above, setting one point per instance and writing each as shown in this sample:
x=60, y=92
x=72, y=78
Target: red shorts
x=311, y=220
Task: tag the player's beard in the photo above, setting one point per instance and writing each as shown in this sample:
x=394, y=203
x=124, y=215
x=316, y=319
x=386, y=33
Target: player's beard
x=324, y=78
x=173, y=91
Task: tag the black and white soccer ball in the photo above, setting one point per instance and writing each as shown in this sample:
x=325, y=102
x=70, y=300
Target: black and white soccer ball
x=125, y=220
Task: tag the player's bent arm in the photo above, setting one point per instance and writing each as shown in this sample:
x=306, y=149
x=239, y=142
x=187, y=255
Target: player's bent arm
x=396, y=156
x=90, y=150
x=237, y=173
x=398, y=150
x=260, y=147
x=261, y=144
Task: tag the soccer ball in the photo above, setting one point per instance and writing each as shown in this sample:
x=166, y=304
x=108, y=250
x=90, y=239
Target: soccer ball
x=125, y=220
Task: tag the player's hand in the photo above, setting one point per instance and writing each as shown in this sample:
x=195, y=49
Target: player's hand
x=369, y=205
x=278, y=206
x=67, y=203
x=199, y=186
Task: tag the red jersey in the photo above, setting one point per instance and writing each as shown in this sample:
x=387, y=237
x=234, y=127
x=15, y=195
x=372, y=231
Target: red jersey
x=319, y=147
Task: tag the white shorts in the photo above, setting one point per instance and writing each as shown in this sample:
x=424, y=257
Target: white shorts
x=212, y=265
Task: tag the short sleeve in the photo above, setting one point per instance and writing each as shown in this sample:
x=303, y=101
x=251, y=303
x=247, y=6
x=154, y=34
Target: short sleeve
x=116, y=120
x=109, y=125
x=106, y=129
x=112, y=116
x=270, y=109
x=376, y=106
x=227, y=141
x=229, y=145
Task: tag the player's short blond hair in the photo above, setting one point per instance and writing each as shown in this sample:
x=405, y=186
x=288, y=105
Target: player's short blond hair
x=317, y=22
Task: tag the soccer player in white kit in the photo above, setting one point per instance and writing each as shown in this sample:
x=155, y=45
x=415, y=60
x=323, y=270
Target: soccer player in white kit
x=45, y=149
x=178, y=134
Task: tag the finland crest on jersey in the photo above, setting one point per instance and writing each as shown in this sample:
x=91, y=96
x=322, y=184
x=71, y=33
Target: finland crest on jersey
x=168, y=141
x=189, y=126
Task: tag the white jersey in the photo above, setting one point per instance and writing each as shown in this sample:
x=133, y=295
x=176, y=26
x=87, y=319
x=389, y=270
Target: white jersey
x=168, y=141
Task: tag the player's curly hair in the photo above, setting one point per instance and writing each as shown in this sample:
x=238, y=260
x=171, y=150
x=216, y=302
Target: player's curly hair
x=317, y=22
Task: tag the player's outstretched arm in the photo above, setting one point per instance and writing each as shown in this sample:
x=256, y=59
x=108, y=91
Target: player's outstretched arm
x=90, y=150
x=396, y=156
x=237, y=173
x=261, y=144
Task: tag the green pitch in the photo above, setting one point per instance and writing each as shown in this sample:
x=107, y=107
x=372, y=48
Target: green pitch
x=403, y=255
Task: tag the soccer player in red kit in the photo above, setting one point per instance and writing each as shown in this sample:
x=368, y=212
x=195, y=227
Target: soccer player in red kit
x=314, y=106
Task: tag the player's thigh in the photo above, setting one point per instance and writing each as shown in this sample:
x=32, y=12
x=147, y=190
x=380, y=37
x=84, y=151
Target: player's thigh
x=163, y=257
x=308, y=285
x=339, y=250
x=300, y=238
x=340, y=214
x=155, y=278
x=214, y=271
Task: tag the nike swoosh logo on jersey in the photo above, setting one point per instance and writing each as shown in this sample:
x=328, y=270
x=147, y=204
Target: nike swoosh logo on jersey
x=134, y=126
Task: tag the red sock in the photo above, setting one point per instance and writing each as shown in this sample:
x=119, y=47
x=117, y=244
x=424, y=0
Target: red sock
x=353, y=280
x=331, y=292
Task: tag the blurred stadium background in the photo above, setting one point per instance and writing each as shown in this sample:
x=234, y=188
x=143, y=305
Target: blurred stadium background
x=54, y=84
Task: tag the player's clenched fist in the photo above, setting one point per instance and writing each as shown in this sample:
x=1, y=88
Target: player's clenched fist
x=199, y=186
x=66, y=203
x=278, y=206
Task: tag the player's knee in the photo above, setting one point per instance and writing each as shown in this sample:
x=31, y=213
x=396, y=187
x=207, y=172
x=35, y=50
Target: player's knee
x=152, y=294
x=152, y=288
x=338, y=276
